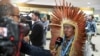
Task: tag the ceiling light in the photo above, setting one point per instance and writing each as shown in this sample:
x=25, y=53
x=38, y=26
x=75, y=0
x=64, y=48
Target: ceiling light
x=18, y=1
x=22, y=0
x=89, y=3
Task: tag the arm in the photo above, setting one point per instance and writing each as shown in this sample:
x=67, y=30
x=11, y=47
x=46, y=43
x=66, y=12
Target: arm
x=95, y=28
x=34, y=51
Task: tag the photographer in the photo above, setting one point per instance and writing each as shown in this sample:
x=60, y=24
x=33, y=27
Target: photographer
x=12, y=47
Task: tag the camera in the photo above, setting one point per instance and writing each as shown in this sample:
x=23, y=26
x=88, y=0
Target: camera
x=11, y=34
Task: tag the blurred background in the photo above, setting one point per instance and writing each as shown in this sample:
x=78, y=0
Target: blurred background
x=45, y=7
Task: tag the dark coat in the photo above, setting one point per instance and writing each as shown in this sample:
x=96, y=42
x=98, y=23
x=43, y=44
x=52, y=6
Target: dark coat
x=33, y=50
x=36, y=37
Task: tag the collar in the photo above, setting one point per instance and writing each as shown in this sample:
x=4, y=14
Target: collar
x=65, y=38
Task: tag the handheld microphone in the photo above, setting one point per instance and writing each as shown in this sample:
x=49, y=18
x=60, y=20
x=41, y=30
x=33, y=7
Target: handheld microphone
x=58, y=42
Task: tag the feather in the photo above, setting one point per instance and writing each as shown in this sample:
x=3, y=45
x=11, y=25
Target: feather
x=67, y=11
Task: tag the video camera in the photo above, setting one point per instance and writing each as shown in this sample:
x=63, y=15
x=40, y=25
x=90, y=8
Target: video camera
x=11, y=34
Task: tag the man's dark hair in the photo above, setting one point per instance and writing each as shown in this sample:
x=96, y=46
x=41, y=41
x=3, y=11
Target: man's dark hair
x=36, y=13
x=5, y=9
x=92, y=16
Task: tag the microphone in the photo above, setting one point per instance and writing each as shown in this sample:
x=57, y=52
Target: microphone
x=58, y=42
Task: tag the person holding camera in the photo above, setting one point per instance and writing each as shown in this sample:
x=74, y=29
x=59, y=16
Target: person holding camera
x=13, y=43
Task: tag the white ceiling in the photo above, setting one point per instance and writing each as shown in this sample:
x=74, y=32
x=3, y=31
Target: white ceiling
x=80, y=3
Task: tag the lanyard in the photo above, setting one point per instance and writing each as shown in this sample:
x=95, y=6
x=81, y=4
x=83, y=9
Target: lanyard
x=67, y=48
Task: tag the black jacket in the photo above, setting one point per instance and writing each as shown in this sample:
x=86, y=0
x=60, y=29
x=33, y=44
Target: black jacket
x=36, y=36
x=33, y=50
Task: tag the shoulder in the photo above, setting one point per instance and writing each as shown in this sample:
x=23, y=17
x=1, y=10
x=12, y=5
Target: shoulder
x=39, y=23
x=93, y=22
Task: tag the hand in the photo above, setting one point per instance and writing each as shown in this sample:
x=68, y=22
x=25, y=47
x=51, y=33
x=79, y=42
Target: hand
x=94, y=35
x=53, y=52
x=26, y=39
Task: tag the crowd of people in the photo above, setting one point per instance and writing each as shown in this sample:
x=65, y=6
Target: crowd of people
x=34, y=39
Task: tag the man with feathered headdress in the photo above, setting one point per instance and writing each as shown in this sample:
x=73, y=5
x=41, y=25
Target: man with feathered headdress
x=68, y=22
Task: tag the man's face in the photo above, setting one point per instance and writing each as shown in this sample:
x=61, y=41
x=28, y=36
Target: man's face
x=89, y=18
x=68, y=30
x=16, y=15
x=34, y=17
x=16, y=18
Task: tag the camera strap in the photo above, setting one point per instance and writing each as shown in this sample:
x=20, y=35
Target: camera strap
x=21, y=35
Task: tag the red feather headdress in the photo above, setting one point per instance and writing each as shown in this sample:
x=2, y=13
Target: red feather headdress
x=67, y=14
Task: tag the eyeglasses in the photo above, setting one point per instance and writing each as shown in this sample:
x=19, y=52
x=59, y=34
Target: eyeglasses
x=18, y=16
